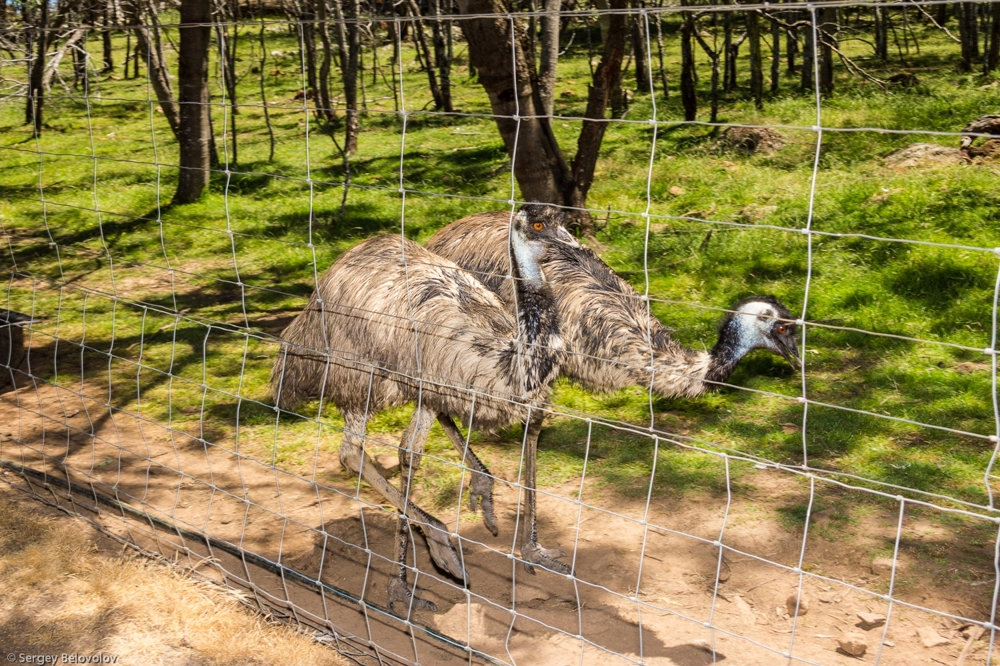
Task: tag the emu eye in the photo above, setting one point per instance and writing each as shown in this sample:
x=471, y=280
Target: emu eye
x=538, y=226
x=782, y=329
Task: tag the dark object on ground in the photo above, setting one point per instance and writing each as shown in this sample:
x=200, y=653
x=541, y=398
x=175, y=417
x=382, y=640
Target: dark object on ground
x=989, y=124
x=905, y=79
x=750, y=140
x=988, y=151
x=11, y=345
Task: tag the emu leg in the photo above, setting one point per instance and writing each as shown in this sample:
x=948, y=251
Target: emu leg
x=531, y=552
x=353, y=457
x=410, y=449
x=481, y=490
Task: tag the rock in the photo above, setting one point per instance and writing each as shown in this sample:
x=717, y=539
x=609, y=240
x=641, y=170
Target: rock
x=871, y=620
x=931, y=638
x=793, y=601
x=750, y=140
x=387, y=465
x=831, y=598
x=882, y=566
x=853, y=643
x=744, y=609
x=921, y=154
x=677, y=191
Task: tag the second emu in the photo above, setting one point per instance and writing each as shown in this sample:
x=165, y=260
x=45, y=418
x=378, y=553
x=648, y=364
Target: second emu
x=392, y=323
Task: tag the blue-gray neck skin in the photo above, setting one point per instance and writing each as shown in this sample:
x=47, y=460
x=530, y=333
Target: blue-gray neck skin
x=741, y=332
x=537, y=319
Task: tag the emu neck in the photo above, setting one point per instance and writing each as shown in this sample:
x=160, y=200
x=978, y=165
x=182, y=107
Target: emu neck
x=535, y=304
x=727, y=352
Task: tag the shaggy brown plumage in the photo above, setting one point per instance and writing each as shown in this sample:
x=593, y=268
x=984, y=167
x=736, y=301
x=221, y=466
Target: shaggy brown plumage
x=611, y=340
x=392, y=323
x=604, y=321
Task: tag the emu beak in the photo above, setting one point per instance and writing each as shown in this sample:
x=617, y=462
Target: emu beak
x=564, y=236
x=790, y=352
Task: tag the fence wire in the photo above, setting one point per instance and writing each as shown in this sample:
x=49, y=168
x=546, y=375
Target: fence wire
x=138, y=403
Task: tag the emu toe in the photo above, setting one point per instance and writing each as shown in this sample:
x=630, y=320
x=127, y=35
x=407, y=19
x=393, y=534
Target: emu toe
x=400, y=593
x=481, y=494
x=442, y=551
x=532, y=553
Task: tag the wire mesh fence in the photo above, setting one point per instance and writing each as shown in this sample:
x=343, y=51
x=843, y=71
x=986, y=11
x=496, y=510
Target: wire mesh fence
x=845, y=510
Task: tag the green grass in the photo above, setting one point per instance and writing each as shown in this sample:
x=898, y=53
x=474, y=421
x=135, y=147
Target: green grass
x=939, y=294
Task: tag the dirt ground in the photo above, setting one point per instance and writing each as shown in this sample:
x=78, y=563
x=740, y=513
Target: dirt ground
x=655, y=592
x=69, y=589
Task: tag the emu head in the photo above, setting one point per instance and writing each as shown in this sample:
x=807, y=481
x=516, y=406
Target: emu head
x=534, y=227
x=761, y=322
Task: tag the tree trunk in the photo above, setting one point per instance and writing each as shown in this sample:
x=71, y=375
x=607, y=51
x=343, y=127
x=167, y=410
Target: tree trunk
x=729, y=58
x=108, y=50
x=195, y=129
x=539, y=165
x=756, y=59
x=775, y=56
x=420, y=44
x=350, y=70
x=808, y=56
x=639, y=50
x=993, y=55
x=155, y=62
x=550, y=55
x=324, y=107
x=827, y=31
x=968, y=33
x=689, y=98
x=36, y=91
x=659, y=54
x=791, y=48
x=308, y=22
x=441, y=55
x=881, y=33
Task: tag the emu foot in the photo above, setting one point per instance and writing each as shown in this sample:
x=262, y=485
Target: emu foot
x=481, y=494
x=399, y=593
x=532, y=553
x=442, y=551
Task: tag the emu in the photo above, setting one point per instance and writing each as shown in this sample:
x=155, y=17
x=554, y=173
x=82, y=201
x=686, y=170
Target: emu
x=607, y=330
x=392, y=323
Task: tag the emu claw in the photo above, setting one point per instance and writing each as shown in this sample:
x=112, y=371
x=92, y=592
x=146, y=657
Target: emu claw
x=399, y=592
x=532, y=553
x=442, y=551
x=481, y=493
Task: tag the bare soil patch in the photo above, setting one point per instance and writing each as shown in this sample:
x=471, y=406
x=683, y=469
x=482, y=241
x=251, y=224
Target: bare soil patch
x=644, y=585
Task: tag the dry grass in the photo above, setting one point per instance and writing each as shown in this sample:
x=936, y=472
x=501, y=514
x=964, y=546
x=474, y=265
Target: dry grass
x=66, y=589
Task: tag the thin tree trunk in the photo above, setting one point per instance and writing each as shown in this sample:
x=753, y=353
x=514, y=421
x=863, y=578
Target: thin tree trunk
x=350, y=69
x=827, y=31
x=442, y=57
x=881, y=33
x=639, y=50
x=791, y=48
x=550, y=55
x=969, y=34
x=36, y=91
x=756, y=59
x=808, y=56
x=420, y=43
x=308, y=18
x=993, y=55
x=324, y=107
x=150, y=51
x=263, y=96
x=689, y=98
x=775, y=56
x=659, y=54
x=108, y=50
x=195, y=130
x=729, y=61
